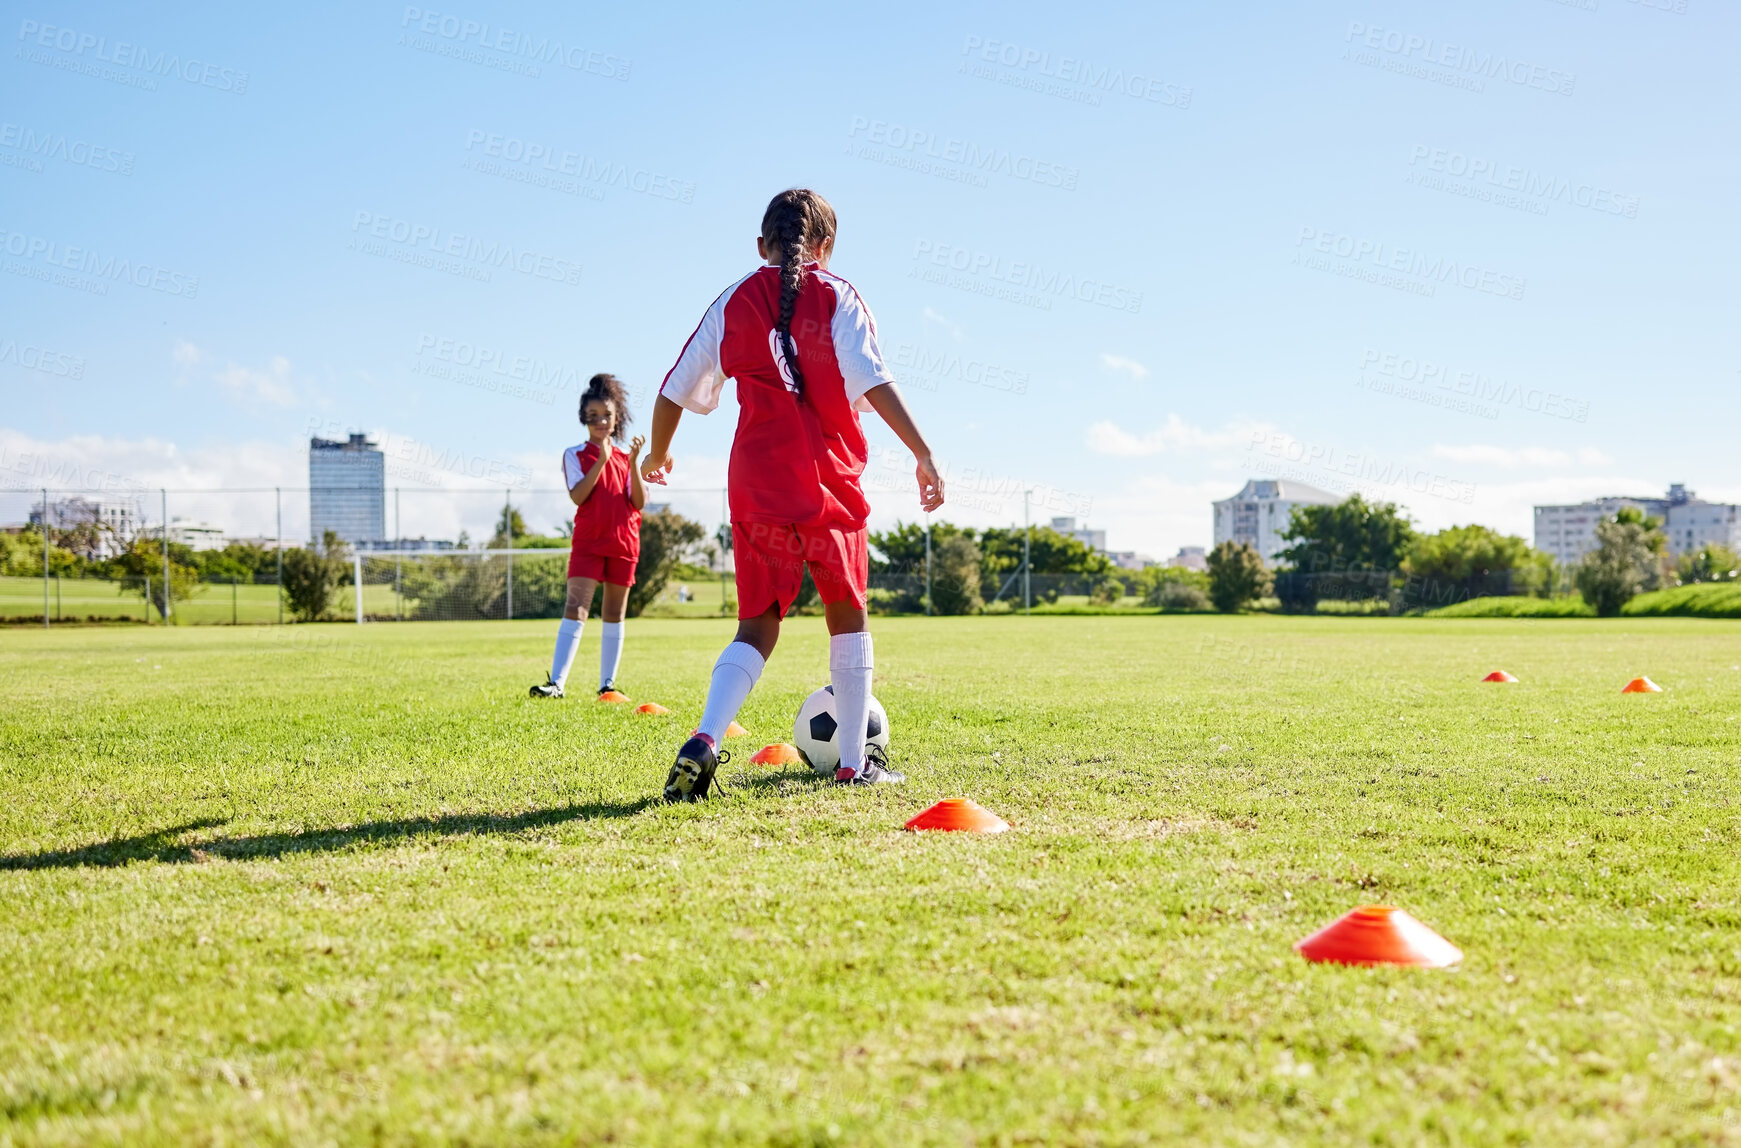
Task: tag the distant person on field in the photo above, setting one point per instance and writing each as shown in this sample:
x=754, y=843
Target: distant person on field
x=605, y=486
x=803, y=348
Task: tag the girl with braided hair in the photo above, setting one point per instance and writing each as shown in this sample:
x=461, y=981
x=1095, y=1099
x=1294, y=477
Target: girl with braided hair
x=604, y=484
x=803, y=348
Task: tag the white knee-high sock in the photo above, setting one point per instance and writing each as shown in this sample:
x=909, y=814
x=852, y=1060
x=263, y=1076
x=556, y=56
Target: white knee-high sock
x=567, y=641
x=610, y=652
x=849, y=668
x=734, y=675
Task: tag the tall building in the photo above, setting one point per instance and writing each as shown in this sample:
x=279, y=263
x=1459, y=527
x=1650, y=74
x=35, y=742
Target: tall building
x=1568, y=532
x=1260, y=512
x=347, y=490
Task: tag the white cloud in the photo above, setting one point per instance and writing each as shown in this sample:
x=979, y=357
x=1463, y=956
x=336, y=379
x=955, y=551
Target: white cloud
x=1174, y=435
x=931, y=315
x=186, y=354
x=1124, y=366
x=271, y=385
x=1513, y=458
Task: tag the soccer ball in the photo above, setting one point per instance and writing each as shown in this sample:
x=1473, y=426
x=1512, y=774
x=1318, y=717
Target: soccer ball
x=814, y=731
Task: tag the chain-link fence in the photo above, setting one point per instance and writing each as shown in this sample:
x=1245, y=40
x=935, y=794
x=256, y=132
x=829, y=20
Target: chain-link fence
x=217, y=556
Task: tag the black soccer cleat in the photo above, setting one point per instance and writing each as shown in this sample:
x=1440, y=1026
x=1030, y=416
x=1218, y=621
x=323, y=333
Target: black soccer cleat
x=691, y=775
x=875, y=770
x=548, y=690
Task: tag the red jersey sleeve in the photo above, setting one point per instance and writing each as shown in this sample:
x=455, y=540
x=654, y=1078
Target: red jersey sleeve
x=695, y=381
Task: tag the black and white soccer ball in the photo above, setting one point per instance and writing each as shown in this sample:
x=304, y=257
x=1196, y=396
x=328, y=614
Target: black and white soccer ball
x=815, y=733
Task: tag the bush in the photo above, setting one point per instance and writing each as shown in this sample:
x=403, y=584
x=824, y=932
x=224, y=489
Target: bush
x=312, y=576
x=1236, y=576
x=955, y=576
x=139, y=569
x=1714, y=563
x=1700, y=600
x=667, y=538
x=1516, y=607
x=1180, y=596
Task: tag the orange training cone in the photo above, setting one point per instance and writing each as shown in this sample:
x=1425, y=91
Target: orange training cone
x=960, y=815
x=736, y=730
x=1499, y=676
x=779, y=753
x=612, y=697
x=1641, y=686
x=1379, y=935
x=651, y=708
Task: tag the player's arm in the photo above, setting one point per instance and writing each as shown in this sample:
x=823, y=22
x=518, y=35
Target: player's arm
x=637, y=491
x=886, y=401
x=659, y=464
x=582, y=490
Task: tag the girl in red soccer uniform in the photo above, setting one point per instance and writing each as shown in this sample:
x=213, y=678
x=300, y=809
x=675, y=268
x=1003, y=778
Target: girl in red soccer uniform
x=605, y=485
x=803, y=348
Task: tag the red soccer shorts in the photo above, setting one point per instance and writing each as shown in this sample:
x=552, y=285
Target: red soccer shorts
x=616, y=571
x=771, y=560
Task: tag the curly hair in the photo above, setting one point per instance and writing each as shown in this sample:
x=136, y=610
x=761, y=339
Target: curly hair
x=795, y=224
x=603, y=388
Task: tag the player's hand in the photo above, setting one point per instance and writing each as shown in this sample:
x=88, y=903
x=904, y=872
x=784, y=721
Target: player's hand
x=656, y=470
x=636, y=444
x=930, y=484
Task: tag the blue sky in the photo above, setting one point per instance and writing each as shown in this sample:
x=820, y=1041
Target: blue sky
x=1465, y=257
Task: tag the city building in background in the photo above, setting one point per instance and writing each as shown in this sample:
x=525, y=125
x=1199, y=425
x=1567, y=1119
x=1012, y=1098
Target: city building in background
x=197, y=535
x=347, y=490
x=1260, y=512
x=91, y=528
x=1095, y=540
x=1568, y=532
x=1191, y=558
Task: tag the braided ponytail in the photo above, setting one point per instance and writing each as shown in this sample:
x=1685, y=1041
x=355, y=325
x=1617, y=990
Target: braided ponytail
x=796, y=223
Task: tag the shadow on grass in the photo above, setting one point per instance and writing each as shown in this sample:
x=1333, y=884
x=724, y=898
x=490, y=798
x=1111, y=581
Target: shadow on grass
x=165, y=845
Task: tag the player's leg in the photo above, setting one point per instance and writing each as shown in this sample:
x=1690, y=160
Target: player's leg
x=611, y=613
x=840, y=565
x=770, y=570
x=580, y=591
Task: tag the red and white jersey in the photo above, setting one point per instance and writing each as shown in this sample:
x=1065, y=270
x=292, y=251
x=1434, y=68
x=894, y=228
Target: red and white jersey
x=606, y=525
x=796, y=457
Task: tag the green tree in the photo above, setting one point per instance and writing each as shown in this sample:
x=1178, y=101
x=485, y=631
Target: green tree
x=1627, y=560
x=667, y=538
x=1463, y=562
x=510, y=526
x=955, y=585
x=1236, y=576
x=1051, y=553
x=1713, y=563
x=1349, y=550
x=313, y=575
x=21, y=556
x=139, y=569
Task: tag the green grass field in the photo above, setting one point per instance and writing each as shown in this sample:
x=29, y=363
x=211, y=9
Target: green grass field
x=340, y=884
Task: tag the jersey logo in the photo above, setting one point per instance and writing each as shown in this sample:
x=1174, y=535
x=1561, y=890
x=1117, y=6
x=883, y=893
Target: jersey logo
x=779, y=352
